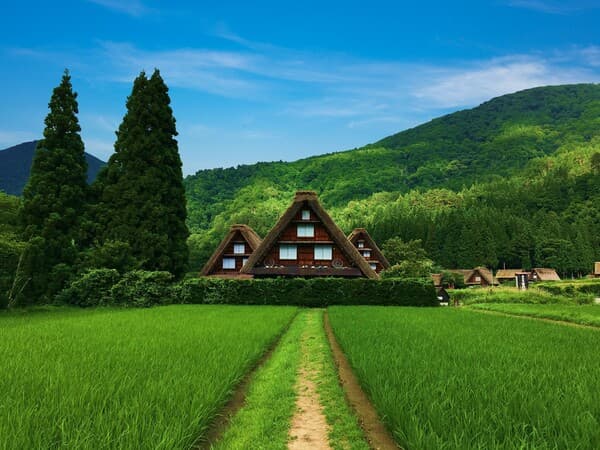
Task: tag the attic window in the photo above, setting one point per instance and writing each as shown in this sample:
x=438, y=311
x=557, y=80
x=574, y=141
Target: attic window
x=366, y=253
x=228, y=263
x=287, y=252
x=477, y=279
x=239, y=249
x=244, y=261
x=361, y=244
x=305, y=214
x=373, y=266
x=306, y=230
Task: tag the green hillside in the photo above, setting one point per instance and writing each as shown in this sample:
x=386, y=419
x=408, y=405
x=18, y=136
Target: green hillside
x=526, y=154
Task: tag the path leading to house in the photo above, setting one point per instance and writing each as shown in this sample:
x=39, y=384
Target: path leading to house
x=295, y=400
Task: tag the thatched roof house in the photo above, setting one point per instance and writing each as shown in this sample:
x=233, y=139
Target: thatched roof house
x=306, y=242
x=507, y=274
x=232, y=253
x=368, y=248
x=543, y=274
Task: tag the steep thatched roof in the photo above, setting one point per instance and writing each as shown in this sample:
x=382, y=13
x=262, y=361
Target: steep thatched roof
x=484, y=273
x=545, y=274
x=506, y=274
x=337, y=235
x=247, y=233
x=437, y=279
x=359, y=233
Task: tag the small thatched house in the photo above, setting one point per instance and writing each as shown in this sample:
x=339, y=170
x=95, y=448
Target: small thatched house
x=232, y=253
x=368, y=248
x=506, y=275
x=306, y=242
x=543, y=274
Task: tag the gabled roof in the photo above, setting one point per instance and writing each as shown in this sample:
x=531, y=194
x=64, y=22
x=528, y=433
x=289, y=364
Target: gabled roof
x=545, y=274
x=338, y=236
x=507, y=273
x=247, y=233
x=370, y=243
x=484, y=272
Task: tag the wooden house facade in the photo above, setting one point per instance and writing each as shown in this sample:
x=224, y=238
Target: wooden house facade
x=232, y=253
x=597, y=270
x=368, y=249
x=306, y=242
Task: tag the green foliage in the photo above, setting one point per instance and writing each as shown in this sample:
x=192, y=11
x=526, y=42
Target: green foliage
x=408, y=259
x=454, y=279
x=571, y=288
x=315, y=292
x=581, y=314
x=143, y=288
x=11, y=247
x=141, y=195
x=92, y=288
x=513, y=295
x=111, y=255
x=55, y=195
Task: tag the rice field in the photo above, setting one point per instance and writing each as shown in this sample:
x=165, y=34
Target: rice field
x=139, y=378
x=579, y=314
x=449, y=378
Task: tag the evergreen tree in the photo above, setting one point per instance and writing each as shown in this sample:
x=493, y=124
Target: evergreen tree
x=142, y=200
x=54, y=197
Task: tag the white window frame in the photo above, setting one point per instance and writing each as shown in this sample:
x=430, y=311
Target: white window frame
x=373, y=266
x=305, y=214
x=323, y=252
x=306, y=230
x=366, y=253
x=244, y=261
x=227, y=263
x=477, y=279
x=361, y=244
x=237, y=247
x=288, y=252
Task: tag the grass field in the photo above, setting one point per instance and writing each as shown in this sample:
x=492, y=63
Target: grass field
x=139, y=378
x=505, y=294
x=452, y=378
x=580, y=314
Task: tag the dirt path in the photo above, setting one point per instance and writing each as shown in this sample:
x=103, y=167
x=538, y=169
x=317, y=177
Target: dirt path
x=539, y=319
x=376, y=433
x=237, y=400
x=309, y=428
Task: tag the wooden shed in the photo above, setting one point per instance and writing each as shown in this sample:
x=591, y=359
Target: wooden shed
x=306, y=242
x=368, y=248
x=506, y=275
x=597, y=270
x=232, y=253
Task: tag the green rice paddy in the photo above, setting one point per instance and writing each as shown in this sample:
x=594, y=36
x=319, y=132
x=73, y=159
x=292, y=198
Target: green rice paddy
x=449, y=378
x=580, y=314
x=135, y=379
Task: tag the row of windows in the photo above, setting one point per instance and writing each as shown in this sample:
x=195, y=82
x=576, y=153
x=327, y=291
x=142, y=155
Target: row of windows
x=290, y=252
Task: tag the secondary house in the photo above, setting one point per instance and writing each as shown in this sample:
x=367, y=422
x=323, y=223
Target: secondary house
x=366, y=246
x=306, y=242
x=543, y=274
x=232, y=253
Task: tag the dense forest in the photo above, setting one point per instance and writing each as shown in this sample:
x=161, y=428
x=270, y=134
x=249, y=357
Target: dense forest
x=513, y=182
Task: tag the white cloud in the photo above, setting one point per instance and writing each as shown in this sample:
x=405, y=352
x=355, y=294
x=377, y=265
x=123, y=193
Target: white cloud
x=8, y=138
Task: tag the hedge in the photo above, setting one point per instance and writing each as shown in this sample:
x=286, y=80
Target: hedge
x=572, y=288
x=315, y=292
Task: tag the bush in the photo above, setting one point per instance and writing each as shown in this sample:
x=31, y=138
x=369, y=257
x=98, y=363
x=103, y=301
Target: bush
x=143, y=288
x=92, y=288
x=315, y=292
x=572, y=288
x=513, y=295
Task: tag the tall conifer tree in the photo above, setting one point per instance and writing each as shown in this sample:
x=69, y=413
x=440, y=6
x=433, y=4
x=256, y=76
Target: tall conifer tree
x=142, y=195
x=54, y=197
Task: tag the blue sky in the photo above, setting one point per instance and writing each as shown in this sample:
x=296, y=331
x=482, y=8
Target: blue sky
x=270, y=80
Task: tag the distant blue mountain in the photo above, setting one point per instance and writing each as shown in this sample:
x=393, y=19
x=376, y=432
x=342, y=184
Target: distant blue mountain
x=15, y=164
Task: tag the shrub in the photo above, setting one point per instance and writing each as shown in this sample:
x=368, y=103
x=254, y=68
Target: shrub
x=572, y=288
x=92, y=288
x=315, y=292
x=513, y=295
x=143, y=288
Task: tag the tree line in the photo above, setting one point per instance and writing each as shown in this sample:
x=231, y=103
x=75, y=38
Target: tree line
x=132, y=217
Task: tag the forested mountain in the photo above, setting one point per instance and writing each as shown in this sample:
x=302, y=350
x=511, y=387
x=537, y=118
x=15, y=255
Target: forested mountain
x=511, y=182
x=15, y=164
